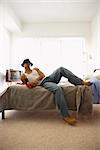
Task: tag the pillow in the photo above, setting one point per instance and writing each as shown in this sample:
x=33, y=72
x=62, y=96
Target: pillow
x=94, y=75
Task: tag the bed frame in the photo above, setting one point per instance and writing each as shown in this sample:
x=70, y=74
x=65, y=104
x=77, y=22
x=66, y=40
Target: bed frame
x=3, y=114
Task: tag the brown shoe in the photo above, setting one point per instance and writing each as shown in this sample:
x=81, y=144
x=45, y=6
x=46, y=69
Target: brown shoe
x=70, y=120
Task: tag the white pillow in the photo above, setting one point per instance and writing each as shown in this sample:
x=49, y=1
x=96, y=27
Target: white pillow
x=94, y=75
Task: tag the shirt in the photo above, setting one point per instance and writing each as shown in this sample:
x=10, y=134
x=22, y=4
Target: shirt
x=33, y=76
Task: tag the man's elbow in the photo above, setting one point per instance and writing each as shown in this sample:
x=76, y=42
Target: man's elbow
x=43, y=76
x=24, y=79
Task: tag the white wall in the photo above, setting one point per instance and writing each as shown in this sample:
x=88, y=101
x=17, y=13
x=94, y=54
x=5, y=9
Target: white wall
x=5, y=43
x=5, y=46
x=95, y=51
x=8, y=18
x=56, y=29
x=8, y=23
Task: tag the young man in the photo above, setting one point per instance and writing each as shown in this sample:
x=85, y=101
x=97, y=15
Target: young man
x=34, y=77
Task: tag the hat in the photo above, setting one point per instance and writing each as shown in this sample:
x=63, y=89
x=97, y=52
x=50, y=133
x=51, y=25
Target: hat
x=26, y=61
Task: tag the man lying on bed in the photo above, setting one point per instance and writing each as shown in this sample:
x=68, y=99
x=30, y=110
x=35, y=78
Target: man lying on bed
x=34, y=77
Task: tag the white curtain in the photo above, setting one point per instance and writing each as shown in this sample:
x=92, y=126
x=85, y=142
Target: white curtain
x=50, y=53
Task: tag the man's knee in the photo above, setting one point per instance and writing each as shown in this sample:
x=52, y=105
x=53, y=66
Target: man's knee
x=59, y=89
x=61, y=68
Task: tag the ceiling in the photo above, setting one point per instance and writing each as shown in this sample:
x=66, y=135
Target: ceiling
x=44, y=11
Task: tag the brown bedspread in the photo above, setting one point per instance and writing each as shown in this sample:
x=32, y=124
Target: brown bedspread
x=19, y=97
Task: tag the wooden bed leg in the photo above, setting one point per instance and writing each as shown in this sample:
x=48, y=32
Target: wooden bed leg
x=3, y=114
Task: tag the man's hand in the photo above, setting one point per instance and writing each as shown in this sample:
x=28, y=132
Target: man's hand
x=24, y=79
x=32, y=84
x=29, y=85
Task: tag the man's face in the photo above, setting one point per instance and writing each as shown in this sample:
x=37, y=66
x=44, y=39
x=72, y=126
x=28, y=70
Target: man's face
x=26, y=65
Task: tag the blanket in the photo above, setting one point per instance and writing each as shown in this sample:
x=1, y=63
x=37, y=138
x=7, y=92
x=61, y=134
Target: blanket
x=19, y=97
x=96, y=90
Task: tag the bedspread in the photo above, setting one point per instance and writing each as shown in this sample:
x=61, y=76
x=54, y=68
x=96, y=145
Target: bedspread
x=19, y=97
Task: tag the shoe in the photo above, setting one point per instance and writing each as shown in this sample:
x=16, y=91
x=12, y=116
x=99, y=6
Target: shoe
x=70, y=120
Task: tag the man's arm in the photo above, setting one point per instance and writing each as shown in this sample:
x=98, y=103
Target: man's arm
x=24, y=79
x=41, y=74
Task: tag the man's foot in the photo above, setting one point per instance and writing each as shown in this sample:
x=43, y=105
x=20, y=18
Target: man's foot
x=88, y=83
x=70, y=120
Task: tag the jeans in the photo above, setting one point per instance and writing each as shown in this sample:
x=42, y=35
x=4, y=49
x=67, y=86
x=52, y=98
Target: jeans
x=50, y=83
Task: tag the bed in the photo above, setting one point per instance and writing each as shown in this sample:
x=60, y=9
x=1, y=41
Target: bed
x=19, y=97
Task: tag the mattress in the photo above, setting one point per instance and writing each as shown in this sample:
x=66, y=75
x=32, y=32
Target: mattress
x=19, y=97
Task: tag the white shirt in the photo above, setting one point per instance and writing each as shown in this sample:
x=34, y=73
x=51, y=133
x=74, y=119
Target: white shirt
x=33, y=76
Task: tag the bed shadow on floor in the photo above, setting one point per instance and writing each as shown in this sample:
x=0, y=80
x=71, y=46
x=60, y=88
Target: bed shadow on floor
x=50, y=115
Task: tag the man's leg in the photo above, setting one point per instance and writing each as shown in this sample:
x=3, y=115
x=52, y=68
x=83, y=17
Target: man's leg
x=63, y=72
x=59, y=97
x=59, y=100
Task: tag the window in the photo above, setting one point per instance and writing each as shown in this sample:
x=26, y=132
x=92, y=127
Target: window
x=50, y=53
